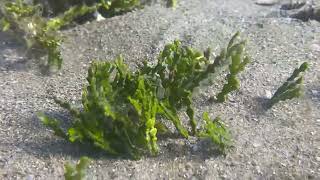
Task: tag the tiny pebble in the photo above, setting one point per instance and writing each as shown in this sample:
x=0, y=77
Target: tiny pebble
x=268, y=94
x=30, y=177
x=256, y=144
x=258, y=170
x=315, y=92
x=188, y=166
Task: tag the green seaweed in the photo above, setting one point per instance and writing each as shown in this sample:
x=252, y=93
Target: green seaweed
x=121, y=108
x=77, y=172
x=119, y=112
x=4, y=24
x=54, y=124
x=239, y=60
x=172, y=3
x=292, y=88
x=216, y=132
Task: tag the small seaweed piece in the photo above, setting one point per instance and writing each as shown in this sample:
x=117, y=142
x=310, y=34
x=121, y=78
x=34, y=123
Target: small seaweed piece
x=53, y=124
x=4, y=24
x=172, y=3
x=291, y=88
x=216, y=131
x=68, y=16
x=239, y=60
x=123, y=5
x=20, y=9
x=77, y=172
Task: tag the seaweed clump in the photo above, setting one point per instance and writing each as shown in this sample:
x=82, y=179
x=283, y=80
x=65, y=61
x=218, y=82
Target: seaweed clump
x=122, y=109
